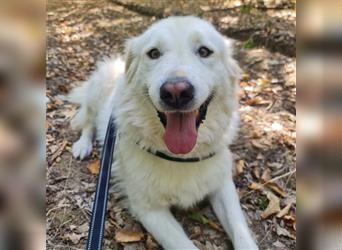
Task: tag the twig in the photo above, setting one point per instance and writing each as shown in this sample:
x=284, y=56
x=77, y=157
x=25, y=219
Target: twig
x=268, y=232
x=58, y=152
x=272, y=180
x=288, y=179
x=280, y=177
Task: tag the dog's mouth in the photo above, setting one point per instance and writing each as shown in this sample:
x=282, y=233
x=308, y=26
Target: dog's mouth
x=181, y=128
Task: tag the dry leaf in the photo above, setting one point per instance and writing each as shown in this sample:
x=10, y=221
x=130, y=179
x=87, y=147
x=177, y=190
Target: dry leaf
x=73, y=237
x=247, y=118
x=276, y=165
x=266, y=176
x=58, y=152
x=262, y=81
x=285, y=210
x=260, y=156
x=276, y=188
x=291, y=221
x=129, y=235
x=257, y=144
x=284, y=232
x=239, y=167
x=256, y=135
x=151, y=244
x=256, y=186
x=256, y=101
x=278, y=245
x=290, y=218
x=94, y=167
x=273, y=205
x=111, y=221
x=215, y=225
x=244, y=77
x=256, y=172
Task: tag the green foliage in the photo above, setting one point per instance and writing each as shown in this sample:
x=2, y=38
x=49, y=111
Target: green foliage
x=199, y=218
x=249, y=44
x=263, y=203
x=246, y=9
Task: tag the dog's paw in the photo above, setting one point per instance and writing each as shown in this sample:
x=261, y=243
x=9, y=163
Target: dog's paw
x=82, y=148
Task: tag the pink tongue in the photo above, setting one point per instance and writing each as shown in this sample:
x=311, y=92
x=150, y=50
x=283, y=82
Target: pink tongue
x=180, y=134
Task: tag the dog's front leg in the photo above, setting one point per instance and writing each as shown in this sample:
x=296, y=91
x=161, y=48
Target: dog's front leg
x=165, y=229
x=226, y=205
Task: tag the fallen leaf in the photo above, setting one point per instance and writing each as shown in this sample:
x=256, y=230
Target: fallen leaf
x=284, y=211
x=266, y=175
x=82, y=229
x=273, y=205
x=247, y=118
x=244, y=77
x=134, y=246
x=279, y=245
x=256, y=172
x=208, y=246
x=256, y=186
x=256, y=101
x=215, y=225
x=113, y=222
x=205, y=8
x=256, y=135
x=263, y=81
x=291, y=221
x=239, y=167
x=276, y=165
x=283, y=232
x=151, y=244
x=73, y=237
x=260, y=156
x=257, y=144
x=58, y=152
x=199, y=245
x=276, y=188
x=129, y=234
x=94, y=167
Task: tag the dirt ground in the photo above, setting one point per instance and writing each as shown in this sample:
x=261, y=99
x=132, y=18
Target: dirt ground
x=82, y=32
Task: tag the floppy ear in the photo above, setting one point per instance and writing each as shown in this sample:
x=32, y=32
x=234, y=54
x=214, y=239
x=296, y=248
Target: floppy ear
x=232, y=67
x=131, y=61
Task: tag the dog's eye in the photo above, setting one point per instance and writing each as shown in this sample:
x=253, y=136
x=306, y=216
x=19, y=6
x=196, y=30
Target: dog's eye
x=204, y=51
x=154, y=53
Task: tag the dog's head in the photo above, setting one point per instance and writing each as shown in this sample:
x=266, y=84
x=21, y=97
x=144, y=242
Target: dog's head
x=182, y=64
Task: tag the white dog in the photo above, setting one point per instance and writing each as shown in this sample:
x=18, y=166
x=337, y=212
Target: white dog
x=174, y=102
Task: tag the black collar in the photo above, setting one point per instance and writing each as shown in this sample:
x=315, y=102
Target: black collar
x=178, y=159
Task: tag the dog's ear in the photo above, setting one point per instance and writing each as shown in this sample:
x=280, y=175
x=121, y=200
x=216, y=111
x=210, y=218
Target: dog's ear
x=232, y=67
x=131, y=61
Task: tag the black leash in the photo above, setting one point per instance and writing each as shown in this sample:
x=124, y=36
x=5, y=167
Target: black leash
x=98, y=217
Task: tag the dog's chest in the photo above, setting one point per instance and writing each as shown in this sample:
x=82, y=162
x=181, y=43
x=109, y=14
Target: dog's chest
x=156, y=182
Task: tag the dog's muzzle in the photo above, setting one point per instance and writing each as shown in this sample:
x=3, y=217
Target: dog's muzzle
x=181, y=128
x=177, y=93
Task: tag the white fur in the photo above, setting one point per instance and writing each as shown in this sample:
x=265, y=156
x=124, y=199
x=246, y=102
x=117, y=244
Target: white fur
x=131, y=94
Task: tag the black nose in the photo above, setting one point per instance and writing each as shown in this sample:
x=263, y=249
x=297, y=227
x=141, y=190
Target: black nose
x=177, y=92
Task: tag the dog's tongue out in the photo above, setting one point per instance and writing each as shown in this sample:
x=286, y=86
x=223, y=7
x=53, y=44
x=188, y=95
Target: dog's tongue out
x=180, y=134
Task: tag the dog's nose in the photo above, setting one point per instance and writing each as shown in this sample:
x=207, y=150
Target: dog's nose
x=177, y=92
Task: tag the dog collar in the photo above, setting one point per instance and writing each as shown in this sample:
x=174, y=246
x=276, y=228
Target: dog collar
x=177, y=159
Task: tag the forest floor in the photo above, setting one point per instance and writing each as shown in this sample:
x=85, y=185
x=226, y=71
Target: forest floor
x=82, y=32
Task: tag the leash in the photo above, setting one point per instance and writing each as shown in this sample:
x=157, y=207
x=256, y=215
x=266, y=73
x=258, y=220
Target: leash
x=98, y=216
